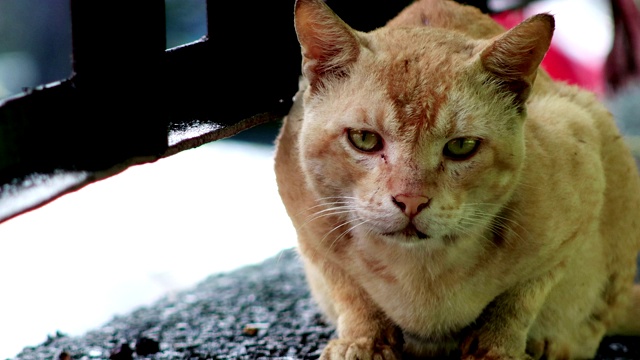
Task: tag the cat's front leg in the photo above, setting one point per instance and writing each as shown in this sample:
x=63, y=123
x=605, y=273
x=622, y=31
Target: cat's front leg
x=501, y=331
x=377, y=347
x=364, y=331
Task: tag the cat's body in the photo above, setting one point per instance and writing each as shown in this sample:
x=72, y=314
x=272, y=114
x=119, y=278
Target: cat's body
x=444, y=200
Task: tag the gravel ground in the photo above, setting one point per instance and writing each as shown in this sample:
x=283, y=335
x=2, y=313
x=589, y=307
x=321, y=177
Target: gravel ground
x=258, y=312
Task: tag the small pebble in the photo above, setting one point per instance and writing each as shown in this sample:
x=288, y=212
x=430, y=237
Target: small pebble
x=254, y=329
x=146, y=346
x=122, y=352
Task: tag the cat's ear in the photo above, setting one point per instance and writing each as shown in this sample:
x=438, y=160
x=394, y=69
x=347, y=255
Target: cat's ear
x=514, y=57
x=328, y=44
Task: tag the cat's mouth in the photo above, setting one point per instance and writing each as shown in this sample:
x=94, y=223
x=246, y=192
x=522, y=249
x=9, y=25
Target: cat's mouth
x=409, y=231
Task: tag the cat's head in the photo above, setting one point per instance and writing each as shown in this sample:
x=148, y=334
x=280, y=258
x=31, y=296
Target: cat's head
x=415, y=133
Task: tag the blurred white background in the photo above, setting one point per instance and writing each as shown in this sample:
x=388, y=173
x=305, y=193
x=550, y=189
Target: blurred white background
x=126, y=241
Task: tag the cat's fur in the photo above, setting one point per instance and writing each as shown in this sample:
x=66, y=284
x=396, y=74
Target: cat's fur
x=527, y=246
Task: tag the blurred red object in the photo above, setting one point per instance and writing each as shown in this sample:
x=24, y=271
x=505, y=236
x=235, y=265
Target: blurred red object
x=623, y=63
x=560, y=66
x=617, y=70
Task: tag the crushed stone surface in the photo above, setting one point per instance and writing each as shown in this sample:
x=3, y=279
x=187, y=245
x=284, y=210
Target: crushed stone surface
x=262, y=311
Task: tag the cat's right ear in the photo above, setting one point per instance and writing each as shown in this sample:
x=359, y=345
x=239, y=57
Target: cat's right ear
x=514, y=57
x=328, y=44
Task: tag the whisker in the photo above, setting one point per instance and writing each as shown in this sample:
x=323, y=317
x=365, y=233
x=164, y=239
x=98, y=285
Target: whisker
x=324, y=204
x=471, y=235
x=336, y=197
x=473, y=206
x=495, y=225
x=479, y=213
x=347, y=231
x=327, y=203
x=500, y=220
x=528, y=185
x=332, y=209
x=486, y=221
x=337, y=227
x=336, y=211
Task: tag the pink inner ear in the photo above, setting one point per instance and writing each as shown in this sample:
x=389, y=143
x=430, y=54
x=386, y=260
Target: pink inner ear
x=328, y=44
x=307, y=30
x=517, y=54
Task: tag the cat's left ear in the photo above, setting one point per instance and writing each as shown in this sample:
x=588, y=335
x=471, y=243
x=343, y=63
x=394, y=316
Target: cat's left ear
x=514, y=57
x=328, y=44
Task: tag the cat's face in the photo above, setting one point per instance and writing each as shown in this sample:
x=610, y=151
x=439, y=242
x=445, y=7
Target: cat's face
x=411, y=148
x=406, y=135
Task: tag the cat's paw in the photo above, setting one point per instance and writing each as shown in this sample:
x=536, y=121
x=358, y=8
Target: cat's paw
x=358, y=349
x=479, y=346
x=496, y=355
x=557, y=348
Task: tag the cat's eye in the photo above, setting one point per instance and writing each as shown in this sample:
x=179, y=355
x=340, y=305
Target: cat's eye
x=364, y=140
x=461, y=148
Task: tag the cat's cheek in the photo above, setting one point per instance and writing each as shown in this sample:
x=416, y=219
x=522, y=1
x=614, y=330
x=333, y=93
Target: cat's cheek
x=484, y=175
x=330, y=180
x=494, y=185
x=503, y=183
x=330, y=173
x=503, y=169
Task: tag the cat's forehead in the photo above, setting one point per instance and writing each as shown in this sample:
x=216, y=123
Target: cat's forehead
x=418, y=69
x=428, y=42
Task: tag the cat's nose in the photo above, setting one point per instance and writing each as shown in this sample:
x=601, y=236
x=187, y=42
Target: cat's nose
x=411, y=205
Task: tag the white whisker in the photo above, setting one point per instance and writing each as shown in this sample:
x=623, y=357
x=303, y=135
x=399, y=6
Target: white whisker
x=495, y=223
x=337, y=227
x=319, y=215
x=347, y=231
x=324, y=204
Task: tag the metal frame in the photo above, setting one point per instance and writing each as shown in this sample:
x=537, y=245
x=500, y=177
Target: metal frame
x=129, y=101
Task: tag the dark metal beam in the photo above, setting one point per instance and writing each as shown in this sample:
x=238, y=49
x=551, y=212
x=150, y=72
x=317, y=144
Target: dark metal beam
x=129, y=101
x=50, y=153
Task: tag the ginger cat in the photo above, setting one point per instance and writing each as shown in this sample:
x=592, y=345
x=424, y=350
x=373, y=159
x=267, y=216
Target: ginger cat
x=450, y=199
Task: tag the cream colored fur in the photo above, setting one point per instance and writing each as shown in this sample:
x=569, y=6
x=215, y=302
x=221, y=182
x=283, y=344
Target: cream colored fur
x=532, y=240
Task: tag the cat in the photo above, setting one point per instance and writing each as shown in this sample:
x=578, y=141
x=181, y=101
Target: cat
x=449, y=197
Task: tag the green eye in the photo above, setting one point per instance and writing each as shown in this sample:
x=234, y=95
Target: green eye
x=461, y=148
x=364, y=140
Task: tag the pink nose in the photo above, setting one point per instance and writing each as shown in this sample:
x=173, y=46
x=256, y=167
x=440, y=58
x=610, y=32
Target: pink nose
x=411, y=205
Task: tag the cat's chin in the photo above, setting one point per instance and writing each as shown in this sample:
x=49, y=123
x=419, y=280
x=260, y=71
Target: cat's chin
x=410, y=233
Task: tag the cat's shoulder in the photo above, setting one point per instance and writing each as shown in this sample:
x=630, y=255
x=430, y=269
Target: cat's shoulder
x=570, y=106
x=449, y=15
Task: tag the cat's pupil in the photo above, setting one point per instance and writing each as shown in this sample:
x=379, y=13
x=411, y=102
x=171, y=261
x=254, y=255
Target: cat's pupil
x=461, y=148
x=364, y=140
